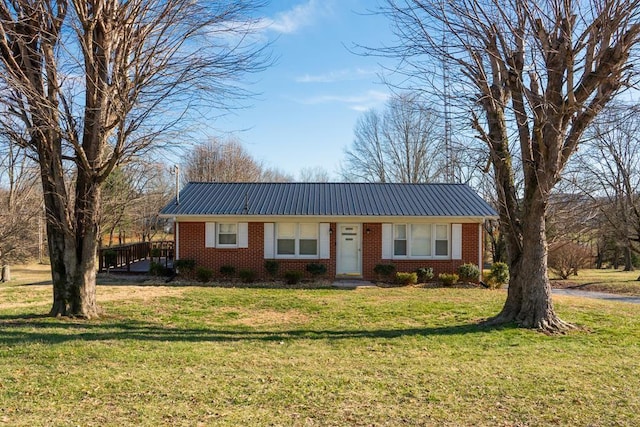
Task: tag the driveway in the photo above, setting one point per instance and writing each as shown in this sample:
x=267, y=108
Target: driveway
x=596, y=295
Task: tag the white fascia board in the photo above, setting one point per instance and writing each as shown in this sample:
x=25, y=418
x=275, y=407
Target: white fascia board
x=337, y=219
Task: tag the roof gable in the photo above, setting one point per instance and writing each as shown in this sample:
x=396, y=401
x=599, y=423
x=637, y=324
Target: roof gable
x=328, y=199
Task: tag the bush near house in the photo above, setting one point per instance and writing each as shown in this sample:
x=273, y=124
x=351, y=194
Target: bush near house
x=228, y=271
x=469, y=273
x=204, y=274
x=499, y=275
x=293, y=277
x=272, y=267
x=424, y=274
x=158, y=269
x=406, y=278
x=184, y=267
x=247, y=275
x=448, y=279
x=317, y=269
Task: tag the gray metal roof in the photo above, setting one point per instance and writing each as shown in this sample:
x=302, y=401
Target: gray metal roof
x=328, y=199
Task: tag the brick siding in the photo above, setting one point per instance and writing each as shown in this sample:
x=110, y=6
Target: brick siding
x=192, y=246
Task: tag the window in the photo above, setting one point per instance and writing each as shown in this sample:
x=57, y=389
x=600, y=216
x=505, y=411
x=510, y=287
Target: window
x=227, y=235
x=297, y=240
x=286, y=240
x=420, y=240
x=308, y=239
x=442, y=240
x=400, y=240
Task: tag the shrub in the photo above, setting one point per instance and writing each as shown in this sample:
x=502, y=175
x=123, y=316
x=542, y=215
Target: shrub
x=448, y=279
x=227, y=270
x=499, y=275
x=293, y=276
x=384, y=270
x=406, y=278
x=156, y=252
x=424, y=274
x=157, y=269
x=566, y=258
x=317, y=269
x=271, y=266
x=185, y=265
x=469, y=272
x=204, y=274
x=247, y=275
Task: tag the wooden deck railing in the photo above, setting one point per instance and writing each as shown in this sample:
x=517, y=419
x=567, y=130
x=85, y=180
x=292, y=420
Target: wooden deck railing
x=122, y=256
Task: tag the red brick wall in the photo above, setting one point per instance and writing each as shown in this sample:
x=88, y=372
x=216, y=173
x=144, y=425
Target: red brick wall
x=372, y=253
x=191, y=246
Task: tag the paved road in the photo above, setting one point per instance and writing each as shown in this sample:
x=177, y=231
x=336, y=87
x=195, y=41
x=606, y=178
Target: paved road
x=597, y=295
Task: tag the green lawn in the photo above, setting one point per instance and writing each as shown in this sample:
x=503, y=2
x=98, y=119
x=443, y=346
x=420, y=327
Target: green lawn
x=607, y=280
x=397, y=356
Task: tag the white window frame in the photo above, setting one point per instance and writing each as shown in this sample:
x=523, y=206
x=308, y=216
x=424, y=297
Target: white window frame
x=219, y=228
x=296, y=252
x=409, y=255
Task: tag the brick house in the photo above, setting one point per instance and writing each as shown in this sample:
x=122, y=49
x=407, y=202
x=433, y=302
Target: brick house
x=348, y=227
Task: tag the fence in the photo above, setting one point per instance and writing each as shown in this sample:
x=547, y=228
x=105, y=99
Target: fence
x=122, y=256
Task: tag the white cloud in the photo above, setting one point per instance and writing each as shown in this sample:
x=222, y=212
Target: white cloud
x=362, y=102
x=299, y=16
x=337, y=75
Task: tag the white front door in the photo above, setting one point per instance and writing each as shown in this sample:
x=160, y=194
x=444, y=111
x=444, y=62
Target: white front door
x=349, y=259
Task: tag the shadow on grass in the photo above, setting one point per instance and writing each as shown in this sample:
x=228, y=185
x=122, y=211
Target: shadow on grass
x=22, y=329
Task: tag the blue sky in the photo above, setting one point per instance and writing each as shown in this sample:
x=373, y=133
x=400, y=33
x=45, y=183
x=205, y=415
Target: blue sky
x=310, y=99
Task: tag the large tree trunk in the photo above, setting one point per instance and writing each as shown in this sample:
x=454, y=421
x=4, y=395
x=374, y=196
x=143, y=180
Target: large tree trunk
x=72, y=248
x=529, y=303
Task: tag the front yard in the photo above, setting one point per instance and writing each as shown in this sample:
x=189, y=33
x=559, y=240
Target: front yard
x=198, y=355
x=607, y=280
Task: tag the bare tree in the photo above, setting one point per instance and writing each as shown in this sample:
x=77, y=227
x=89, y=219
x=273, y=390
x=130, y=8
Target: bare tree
x=608, y=172
x=401, y=144
x=93, y=83
x=20, y=206
x=221, y=161
x=132, y=197
x=314, y=174
x=534, y=76
x=271, y=174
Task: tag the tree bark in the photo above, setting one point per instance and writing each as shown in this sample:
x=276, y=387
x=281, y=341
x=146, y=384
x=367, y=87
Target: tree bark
x=628, y=259
x=529, y=303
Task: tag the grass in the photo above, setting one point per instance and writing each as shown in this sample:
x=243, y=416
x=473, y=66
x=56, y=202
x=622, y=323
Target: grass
x=607, y=280
x=397, y=356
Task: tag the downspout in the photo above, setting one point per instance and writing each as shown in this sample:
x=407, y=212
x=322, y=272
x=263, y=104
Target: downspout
x=176, y=238
x=481, y=248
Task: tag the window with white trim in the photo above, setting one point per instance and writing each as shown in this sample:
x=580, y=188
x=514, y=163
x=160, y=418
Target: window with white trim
x=422, y=241
x=442, y=240
x=227, y=235
x=295, y=240
x=400, y=240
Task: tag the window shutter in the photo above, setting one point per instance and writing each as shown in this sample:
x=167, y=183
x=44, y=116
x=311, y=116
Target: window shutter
x=387, y=241
x=269, y=240
x=325, y=241
x=456, y=241
x=243, y=235
x=210, y=235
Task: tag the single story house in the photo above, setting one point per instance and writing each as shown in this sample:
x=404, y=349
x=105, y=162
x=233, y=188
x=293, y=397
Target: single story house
x=348, y=227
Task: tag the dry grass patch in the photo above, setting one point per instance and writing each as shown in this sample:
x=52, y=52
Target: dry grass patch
x=604, y=280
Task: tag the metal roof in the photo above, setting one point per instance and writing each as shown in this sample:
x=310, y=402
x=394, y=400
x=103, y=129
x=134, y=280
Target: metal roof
x=328, y=199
